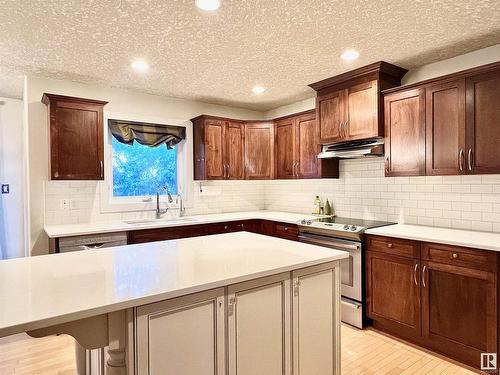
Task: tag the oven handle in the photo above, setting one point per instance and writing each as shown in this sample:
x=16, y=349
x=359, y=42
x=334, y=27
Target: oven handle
x=329, y=243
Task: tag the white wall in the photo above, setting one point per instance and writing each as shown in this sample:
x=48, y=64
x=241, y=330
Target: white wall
x=11, y=172
x=455, y=64
x=120, y=101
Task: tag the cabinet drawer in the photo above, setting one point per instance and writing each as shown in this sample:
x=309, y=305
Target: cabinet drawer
x=286, y=230
x=393, y=246
x=460, y=256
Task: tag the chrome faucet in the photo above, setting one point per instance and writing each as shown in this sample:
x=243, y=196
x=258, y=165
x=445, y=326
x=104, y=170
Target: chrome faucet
x=180, y=205
x=160, y=212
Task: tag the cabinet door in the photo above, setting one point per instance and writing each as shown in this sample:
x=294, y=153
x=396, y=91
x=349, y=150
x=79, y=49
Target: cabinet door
x=259, y=326
x=76, y=141
x=285, y=149
x=362, y=109
x=445, y=128
x=459, y=314
x=316, y=320
x=483, y=123
x=182, y=336
x=331, y=113
x=259, y=151
x=214, y=149
x=405, y=133
x=307, y=147
x=235, y=157
x=393, y=293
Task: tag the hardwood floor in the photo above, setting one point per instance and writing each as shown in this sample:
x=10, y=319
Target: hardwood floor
x=369, y=352
x=364, y=352
x=23, y=355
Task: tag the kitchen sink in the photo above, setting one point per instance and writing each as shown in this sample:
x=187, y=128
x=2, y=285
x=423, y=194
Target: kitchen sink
x=159, y=221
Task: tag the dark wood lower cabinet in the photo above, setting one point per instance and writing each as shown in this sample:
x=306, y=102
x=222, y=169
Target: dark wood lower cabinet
x=443, y=297
x=393, y=293
x=271, y=228
x=459, y=316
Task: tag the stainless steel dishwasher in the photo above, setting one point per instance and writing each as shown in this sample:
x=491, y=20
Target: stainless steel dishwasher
x=91, y=362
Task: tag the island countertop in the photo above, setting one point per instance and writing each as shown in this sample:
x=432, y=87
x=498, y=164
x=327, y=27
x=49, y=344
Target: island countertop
x=42, y=291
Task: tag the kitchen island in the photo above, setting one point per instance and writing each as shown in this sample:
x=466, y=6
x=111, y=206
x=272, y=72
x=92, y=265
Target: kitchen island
x=243, y=302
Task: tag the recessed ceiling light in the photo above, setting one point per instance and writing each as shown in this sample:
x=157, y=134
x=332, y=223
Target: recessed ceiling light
x=140, y=66
x=258, y=90
x=349, y=55
x=208, y=4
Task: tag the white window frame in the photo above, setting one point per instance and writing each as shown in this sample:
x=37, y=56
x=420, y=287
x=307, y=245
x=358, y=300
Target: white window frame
x=185, y=180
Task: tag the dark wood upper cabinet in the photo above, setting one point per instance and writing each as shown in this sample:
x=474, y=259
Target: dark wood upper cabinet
x=307, y=148
x=218, y=148
x=462, y=131
x=297, y=148
x=235, y=157
x=259, y=150
x=445, y=128
x=363, y=111
x=76, y=137
x=405, y=133
x=349, y=106
x=285, y=148
x=483, y=123
x=331, y=112
x=214, y=149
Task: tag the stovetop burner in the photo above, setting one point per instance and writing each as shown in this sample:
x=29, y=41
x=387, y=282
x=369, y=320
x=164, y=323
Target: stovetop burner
x=341, y=227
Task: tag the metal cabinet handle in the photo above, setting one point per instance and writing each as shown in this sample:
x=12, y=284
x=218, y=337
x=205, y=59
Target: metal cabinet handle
x=346, y=128
x=102, y=168
x=340, y=128
x=469, y=159
x=297, y=163
x=461, y=160
x=423, y=276
x=225, y=171
x=415, y=274
x=228, y=171
x=389, y=245
x=387, y=164
x=454, y=256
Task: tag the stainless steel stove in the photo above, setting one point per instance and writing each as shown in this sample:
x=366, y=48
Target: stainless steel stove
x=344, y=234
x=339, y=227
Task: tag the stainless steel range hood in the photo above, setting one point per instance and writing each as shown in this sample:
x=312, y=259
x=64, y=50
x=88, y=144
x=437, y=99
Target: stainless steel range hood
x=354, y=149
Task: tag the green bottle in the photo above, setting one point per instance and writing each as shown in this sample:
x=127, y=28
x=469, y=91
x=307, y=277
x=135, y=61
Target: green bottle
x=328, y=208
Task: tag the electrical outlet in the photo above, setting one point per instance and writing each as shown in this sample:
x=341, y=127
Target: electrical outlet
x=64, y=204
x=5, y=189
x=72, y=204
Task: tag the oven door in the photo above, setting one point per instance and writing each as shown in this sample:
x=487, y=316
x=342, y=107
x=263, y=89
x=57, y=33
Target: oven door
x=350, y=267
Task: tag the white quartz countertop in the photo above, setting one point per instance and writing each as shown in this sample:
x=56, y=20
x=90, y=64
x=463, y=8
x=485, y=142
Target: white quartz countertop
x=66, y=230
x=42, y=291
x=466, y=238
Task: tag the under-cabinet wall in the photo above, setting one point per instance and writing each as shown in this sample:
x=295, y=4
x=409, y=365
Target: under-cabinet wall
x=362, y=191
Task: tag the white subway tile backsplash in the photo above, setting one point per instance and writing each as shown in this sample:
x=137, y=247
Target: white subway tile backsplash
x=470, y=202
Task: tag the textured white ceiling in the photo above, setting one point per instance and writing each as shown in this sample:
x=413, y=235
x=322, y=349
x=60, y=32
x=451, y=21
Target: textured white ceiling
x=218, y=57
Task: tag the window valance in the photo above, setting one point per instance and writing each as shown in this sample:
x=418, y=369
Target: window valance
x=146, y=134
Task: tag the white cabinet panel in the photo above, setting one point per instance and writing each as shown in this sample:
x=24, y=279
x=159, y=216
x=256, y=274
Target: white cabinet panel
x=259, y=326
x=182, y=336
x=315, y=321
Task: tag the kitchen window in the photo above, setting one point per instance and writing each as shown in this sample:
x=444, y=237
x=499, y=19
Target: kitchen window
x=140, y=170
x=143, y=158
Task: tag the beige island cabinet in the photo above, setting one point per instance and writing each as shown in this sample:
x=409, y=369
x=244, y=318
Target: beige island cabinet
x=237, y=303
